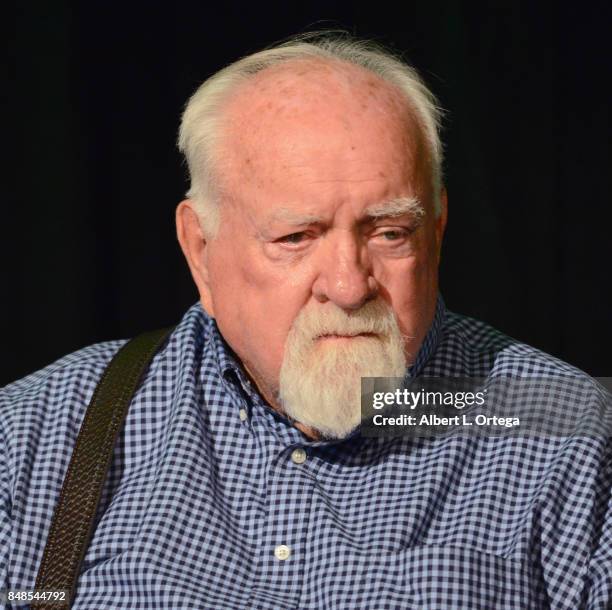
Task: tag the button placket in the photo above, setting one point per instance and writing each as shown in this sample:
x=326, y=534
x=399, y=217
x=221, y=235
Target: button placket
x=284, y=537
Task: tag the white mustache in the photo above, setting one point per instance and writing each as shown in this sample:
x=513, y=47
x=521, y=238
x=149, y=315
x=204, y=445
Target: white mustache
x=375, y=318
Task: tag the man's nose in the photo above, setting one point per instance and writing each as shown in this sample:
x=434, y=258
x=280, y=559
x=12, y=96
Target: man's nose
x=345, y=276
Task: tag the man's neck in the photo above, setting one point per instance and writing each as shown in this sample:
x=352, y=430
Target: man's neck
x=269, y=395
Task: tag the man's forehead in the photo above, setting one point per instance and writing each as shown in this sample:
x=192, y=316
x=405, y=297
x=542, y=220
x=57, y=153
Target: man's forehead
x=305, y=122
x=299, y=89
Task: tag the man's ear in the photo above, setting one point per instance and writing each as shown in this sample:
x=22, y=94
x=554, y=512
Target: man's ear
x=195, y=248
x=441, y=220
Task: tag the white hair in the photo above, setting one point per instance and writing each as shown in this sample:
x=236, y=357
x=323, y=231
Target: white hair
x=198, y=135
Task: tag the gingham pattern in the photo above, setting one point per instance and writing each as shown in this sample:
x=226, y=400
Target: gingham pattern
x=198, y=498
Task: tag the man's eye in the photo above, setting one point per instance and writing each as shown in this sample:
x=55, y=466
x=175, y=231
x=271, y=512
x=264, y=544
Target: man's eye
x=293, y=238
x=393, y=235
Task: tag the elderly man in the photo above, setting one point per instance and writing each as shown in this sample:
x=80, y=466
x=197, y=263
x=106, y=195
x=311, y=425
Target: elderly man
x=240, y=479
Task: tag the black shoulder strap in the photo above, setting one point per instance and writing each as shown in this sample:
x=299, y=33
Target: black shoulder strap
x=72, y=523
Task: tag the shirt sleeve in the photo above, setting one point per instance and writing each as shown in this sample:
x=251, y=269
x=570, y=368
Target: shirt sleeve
x=5, y=514
x=599, y=579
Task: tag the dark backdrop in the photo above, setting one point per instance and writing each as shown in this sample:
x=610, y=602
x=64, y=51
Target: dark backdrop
x=95, y=91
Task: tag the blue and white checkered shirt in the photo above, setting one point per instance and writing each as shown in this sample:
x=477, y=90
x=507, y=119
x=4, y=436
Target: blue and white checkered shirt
x=214, y=501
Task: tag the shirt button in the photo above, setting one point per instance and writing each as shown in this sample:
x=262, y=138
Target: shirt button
x=243, y=414
x=282, y=552
x=298, y=455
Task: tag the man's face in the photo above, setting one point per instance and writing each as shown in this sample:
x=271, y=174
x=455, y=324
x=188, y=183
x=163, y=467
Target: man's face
x=317, y=166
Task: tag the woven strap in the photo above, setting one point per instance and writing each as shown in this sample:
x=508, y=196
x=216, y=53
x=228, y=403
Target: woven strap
x=73, y=519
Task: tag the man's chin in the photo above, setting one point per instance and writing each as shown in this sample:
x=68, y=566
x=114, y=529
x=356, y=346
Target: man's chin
x=332, y=407
x=327, y=430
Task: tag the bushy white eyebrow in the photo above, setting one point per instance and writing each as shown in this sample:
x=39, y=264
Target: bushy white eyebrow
x=399, y=206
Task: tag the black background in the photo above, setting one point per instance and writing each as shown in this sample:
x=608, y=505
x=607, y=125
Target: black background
x=94, y=95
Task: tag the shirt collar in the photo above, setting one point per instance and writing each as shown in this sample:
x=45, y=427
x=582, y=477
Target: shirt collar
x=431, y=341
x=227, y=362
